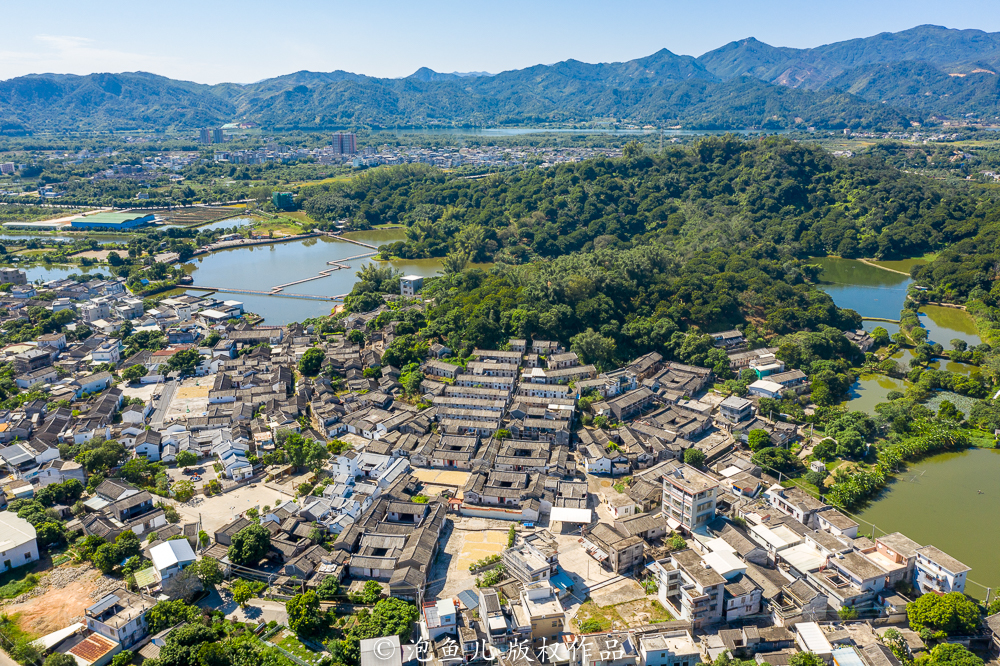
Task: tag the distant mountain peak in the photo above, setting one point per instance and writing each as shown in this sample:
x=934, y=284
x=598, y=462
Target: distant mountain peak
x=428, y=74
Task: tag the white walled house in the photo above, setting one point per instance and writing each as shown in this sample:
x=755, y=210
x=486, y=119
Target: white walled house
x=937, y=571
x=18, y=545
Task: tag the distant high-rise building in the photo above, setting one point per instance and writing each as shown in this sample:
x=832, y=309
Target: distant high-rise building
x=205, y=136
x=283, y=200
x=218, y=136
x=345, y=143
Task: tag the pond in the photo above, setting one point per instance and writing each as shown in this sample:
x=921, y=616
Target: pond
x=868, y=290
x=261, y=267
x=874, y=292
x=946, y=324
x=937, y=502
x=870, y=390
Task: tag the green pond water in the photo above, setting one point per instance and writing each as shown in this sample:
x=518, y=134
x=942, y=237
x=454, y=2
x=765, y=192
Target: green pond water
x=869, y=291
x=904, y=264
x=946, y=324
x=873, y=292
x=937, y=502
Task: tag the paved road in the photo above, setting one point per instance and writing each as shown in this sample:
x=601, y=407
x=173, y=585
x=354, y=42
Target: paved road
x=156, y=421
x=5, y=660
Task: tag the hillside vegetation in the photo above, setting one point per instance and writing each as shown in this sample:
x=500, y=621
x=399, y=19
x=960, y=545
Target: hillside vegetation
x=886, y=81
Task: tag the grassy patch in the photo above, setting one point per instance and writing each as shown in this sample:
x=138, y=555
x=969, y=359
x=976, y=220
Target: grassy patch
x=282, y=226
x=17, y=582
x=325, y=181
x=299, y=215
x=288, y=642
x=658, y=613
x=803, y=484
x=605, y=616
x=17, y=641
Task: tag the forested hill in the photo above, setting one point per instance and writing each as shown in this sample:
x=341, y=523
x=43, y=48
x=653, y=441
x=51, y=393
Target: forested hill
x=566, y=93
x=719, y=191
x=882, y=82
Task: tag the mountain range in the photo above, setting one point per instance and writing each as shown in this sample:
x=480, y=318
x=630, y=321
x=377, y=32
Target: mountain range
x=890, y=80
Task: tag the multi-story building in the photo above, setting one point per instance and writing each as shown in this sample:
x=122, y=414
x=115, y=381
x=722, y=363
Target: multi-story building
x=534, y=558
x=345, y=143
x=33, y=359
x=695, y=591
x=492, y=616
x=897, y=554
x=735, y=409
x=937, y=571
x=121, y=616
x=13, y=275
x=689, y=496
x=544, y=611
x=108, y=351
x=621, y=552
x=409, y=285
x=796, y=503
x=849, y=579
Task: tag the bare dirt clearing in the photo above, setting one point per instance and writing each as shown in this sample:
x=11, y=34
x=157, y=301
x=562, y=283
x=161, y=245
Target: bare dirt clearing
x=59, y=605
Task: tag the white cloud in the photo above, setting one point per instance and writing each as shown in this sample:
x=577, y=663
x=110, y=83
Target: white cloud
x=70, y=54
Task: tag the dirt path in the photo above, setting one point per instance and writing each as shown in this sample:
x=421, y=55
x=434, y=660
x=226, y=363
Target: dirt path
x=891, y=270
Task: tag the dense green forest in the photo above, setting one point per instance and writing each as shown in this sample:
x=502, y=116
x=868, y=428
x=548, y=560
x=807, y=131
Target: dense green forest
x=716, y=191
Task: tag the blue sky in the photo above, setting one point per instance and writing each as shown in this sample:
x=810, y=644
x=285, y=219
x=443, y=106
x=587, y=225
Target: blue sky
x=210, y=42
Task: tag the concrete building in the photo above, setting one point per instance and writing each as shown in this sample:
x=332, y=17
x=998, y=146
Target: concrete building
x=409, y=285
x=18, y=545
x=620, y=552
x=120, y=616
x=13, y=276
x=735, y=409
x=689, y=496
x=171, y=557
x=766, y=389
x=671, y=648
x=535, y=558
x=544, y=611
x=692, y=589
x=345, y=143
x=439, y=618
x=937, y=571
